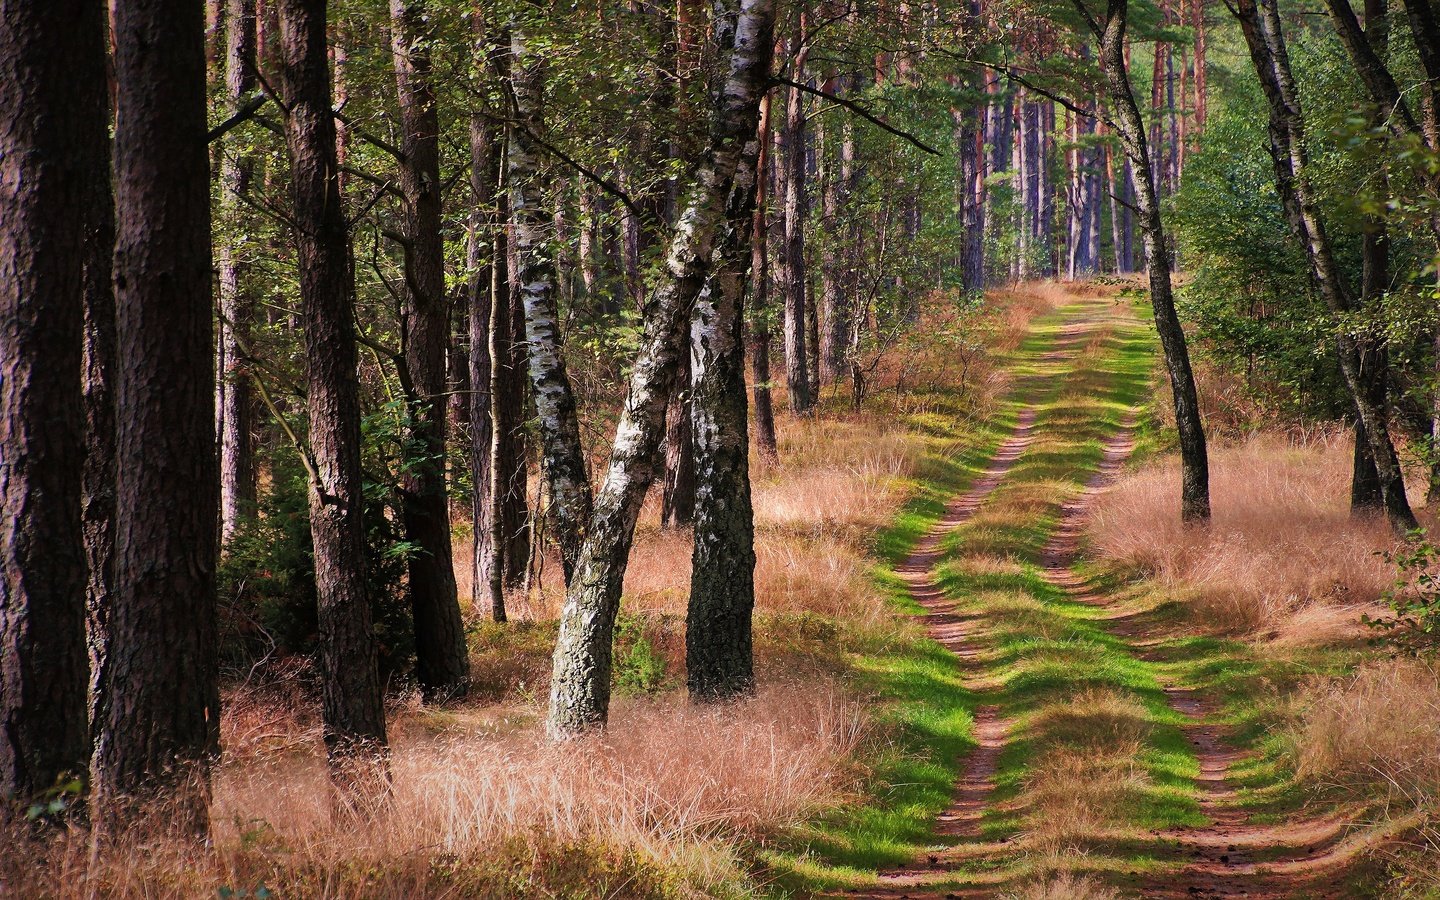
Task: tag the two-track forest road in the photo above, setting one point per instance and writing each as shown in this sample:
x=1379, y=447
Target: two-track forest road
x=1089, y=760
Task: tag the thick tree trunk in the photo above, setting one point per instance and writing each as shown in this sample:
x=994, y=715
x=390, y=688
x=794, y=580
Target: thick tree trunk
x=580, y=685
x=761, y=317
x=47, y=160
x=1261, y=26
x=719, y=653
x=351, y=698
x=794, y=279
x=237, y=452
x=1194, y=463
x=442, y=663
x=161, y=705
x=562, y=456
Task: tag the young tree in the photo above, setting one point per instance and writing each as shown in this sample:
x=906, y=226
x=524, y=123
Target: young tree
x=442, y=662
x=562, y=456
x=741, y=38
x=794, y=279
x=352, y=704
x=46, y=161
x=160, y=706
x=1110, y=32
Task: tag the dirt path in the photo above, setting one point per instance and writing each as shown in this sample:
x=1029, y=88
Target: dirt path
x=1228, y=856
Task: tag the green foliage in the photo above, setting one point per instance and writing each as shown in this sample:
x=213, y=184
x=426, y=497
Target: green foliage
x=267, y=578
x=55, y=802
x=1414, y=624
x=639, y=668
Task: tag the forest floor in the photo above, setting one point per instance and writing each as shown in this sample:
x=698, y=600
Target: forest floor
x=1101, y=745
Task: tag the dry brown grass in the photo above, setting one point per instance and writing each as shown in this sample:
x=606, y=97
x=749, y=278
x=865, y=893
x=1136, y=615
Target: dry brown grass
x=1065, y=886
x=1074, y=794
x=1283, y=555
x=1381, y=724
x=668, y=781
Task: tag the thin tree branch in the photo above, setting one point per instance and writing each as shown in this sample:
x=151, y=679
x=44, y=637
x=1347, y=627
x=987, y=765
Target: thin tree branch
x=858, y=110
x=246, y=111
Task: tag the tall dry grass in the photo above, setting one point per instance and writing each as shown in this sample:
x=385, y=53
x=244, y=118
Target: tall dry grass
x=1283, y=556
x=1379, y=725
x=671, y=782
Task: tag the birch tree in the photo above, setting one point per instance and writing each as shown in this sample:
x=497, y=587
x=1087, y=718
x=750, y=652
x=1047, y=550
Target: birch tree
x=580, y=685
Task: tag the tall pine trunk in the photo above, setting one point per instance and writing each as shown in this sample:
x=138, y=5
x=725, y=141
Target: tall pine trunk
x=47, y=157
x=761, y=317
x=442, y=664
x=160, y=707
x=793, y=279
x=351, y=700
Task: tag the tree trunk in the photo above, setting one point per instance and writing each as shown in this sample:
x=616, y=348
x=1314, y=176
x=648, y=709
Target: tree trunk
x=1194, y=464
x=351, y=698
x=484, y=248
x=442, y=663
x=580, y=685
x=762, y=325
x=677, y=495
x=161, y=705
x=834, y=274
x=97, y=512
x=562, y=456
x=47, y=161
x=237, y=452
x=1263, y=35
x=509, y=360
x=719, y=652
x=970, y=136
x=794, y=278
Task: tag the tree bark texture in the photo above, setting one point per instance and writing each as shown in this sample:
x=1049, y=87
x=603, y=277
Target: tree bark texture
x=762, y=326
x=160, y=706
x=351, y=693
x=719, y=650
x=442, y=663
x=794, y=278
x=45, y=184
x=580, y=686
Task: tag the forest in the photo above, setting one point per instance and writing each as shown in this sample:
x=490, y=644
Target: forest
x=746, y=448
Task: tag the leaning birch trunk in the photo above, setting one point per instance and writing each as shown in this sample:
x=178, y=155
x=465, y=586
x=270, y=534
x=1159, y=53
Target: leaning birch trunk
x=719, y=650
x=580, y=686
x=1261, y=26
x=562, y=456
x=1194, y=463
